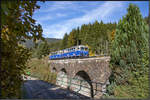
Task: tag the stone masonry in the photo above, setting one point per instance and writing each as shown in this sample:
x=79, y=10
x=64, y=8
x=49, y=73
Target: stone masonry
x=97, y=69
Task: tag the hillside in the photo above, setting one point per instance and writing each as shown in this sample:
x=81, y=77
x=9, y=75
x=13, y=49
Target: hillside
x=30, y=44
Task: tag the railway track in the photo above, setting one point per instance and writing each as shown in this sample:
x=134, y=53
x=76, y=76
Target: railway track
x=80, y=57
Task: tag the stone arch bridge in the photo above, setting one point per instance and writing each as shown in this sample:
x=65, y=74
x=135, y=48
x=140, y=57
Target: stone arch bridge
x=88, y=76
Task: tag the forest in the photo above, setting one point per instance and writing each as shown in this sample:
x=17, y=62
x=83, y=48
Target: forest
x=96, y=36
x=126, y=42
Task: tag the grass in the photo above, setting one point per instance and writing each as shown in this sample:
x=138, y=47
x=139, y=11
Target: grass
x=40, y=69
x=137, y=89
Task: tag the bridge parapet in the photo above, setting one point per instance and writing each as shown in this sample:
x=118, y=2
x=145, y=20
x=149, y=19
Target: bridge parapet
x=95, y=70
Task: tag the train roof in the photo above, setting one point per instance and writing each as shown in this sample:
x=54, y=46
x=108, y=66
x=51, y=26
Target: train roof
x=70, y=48
x=75, y=47
x=79, y=46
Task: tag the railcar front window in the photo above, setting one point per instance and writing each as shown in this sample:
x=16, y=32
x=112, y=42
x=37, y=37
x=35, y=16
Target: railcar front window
x=73, y=49
x=82, y=48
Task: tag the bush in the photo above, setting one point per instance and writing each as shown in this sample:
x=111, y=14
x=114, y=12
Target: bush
x=40, y=69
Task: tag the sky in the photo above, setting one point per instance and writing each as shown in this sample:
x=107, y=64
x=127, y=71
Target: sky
x=60, y=17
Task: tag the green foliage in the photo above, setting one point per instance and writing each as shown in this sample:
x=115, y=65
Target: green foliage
x=41, y=50
x=147, y=19
x=131, y=41
x=138, y=88
x=129, y=57
x=64, y=42
x=30, y=43
x=55, y=46
x=17, y=25
x=72, y=38
x=96, y=35
x=40, y=69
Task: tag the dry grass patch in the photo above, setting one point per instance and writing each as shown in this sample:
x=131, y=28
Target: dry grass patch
x=40, y=69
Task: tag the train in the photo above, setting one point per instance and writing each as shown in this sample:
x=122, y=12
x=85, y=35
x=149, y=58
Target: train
x=72, y=52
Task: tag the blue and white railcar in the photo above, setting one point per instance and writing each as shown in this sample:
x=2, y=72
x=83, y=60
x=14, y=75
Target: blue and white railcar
x=75, y=51
x=81, y=51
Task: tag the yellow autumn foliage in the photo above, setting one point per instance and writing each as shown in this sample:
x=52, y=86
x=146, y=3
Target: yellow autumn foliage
x=91, y=53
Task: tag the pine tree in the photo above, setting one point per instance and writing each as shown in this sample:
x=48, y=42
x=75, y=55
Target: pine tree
x=147, y=19
x=72, y=40
x=45, y=49
x=129, y=45
x=64, y=42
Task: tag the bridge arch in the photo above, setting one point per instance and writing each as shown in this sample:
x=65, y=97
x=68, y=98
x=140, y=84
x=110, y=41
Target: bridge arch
x=93, y=69
x=82, y=84
x=54, y=70
x=63, y=70
x=62, y=78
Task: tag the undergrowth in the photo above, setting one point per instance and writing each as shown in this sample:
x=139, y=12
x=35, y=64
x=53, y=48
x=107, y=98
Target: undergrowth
x=40, y=69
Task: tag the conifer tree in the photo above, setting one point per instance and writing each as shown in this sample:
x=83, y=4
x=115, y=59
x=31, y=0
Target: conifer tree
x=64, y=42
x=129, y=45
x=72, y=40
x=43, y=49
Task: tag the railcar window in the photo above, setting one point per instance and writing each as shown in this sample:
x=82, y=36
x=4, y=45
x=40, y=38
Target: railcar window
x=82, y=48
x=66, y=50
x=76, y=48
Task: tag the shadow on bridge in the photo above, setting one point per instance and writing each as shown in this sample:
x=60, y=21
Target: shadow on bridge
x=38, y=89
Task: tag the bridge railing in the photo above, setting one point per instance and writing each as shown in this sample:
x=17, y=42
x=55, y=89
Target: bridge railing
x=95, y=90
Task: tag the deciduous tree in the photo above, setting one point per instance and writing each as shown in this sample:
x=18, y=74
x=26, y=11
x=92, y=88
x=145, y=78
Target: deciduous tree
x=17, y=25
